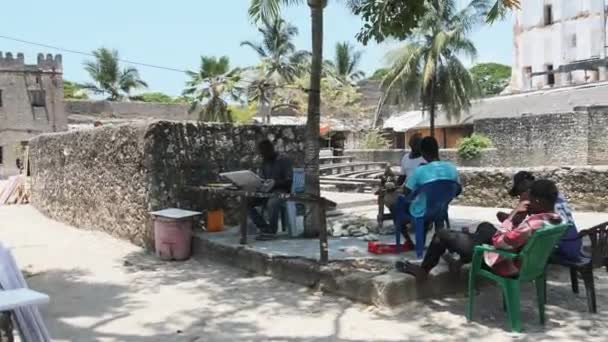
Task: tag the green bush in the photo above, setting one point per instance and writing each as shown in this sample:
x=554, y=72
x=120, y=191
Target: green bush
x=374, y=140
x=471, y=147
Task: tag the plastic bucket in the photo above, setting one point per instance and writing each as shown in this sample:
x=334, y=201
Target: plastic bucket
x=173, y=238
x=215, y=220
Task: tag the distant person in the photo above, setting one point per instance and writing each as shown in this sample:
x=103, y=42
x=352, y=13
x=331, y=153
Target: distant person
x=412, y=159
x=569, y=247
x=279, y=169
x=539, y=211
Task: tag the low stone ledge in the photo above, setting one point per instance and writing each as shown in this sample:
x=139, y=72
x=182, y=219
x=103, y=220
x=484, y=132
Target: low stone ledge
x=383, y=287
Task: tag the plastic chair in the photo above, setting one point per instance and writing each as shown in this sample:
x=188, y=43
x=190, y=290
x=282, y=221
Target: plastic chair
x=290, y=211
x=598, y=235
x=533, y=260
x=438, y=194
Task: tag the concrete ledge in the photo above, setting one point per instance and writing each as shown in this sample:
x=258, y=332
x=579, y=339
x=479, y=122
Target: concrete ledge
x=384, y=287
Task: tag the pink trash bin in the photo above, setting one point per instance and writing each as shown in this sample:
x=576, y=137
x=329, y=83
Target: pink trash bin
x=173, y=233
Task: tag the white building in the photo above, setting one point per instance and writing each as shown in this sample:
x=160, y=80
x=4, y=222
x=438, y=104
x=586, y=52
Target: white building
x=558, y=42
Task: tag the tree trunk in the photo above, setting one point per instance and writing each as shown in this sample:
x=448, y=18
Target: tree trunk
x=311, y=167
x=432, y=105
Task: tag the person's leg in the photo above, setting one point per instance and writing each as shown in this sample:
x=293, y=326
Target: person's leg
x=457, y=242
x=274, y=209
x=255, y=215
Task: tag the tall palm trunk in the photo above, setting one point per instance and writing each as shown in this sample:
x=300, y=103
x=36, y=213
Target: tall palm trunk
x=314, y=114
x=433, y=104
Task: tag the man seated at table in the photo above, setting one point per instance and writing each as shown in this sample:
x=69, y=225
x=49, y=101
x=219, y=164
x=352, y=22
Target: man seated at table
x=539, y=211
x=569, y=248
x=277, y=168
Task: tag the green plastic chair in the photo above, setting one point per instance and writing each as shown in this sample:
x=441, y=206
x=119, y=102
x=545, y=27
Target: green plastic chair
x=533, y=260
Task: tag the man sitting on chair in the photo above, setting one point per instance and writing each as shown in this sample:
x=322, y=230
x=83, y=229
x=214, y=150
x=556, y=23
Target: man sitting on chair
x=510, y=236
x=277, y=168
x=433, y=170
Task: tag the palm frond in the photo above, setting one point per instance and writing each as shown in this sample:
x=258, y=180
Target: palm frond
x=260, y=10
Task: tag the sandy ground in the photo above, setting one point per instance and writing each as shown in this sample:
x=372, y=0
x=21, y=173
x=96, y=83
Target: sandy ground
x=103, y=289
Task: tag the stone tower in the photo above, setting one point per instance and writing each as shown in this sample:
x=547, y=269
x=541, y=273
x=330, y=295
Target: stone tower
x=31, y=103
x=558, y=43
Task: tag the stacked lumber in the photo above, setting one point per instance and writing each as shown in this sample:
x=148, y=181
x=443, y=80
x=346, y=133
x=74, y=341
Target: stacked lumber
x=15, y=191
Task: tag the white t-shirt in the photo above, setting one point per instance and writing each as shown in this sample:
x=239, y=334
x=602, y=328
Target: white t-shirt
x=408, y=165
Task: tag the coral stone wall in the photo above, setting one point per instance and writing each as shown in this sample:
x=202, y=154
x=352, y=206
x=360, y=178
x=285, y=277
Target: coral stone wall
x=109, y=178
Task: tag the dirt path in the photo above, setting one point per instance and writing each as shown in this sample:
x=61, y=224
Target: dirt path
x=103, y=289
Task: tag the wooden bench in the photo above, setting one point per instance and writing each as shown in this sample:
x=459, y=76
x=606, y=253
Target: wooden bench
x=329, y=169
x=336, y=159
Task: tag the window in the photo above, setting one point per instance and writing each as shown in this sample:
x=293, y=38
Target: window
x=573, y=41
x=1, y=156
x=527, y=77
x=38, y=98
x=550, y=75
x=0, y=97
x=38, y=79
x=548, y=15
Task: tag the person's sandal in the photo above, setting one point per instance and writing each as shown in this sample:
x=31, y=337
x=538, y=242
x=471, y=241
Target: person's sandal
x=266, y=237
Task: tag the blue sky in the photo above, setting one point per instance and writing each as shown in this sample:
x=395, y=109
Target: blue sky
x=175, y=33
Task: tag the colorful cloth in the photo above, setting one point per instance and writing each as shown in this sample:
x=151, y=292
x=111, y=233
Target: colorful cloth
x=513, y=238
x=569, y=248
x=423, y=174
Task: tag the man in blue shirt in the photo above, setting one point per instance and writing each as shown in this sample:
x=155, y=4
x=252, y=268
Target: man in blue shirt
x=433, y=170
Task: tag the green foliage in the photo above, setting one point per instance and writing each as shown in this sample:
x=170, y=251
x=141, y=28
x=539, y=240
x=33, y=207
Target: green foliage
x=108, y=78
x=346, y=62
x=73, y=91
x=379, y=74
x=374, y=140
x=388, y=19
x=471, y=147
x=153, y=97
x=492, y=78
x=427, y=69
x=398, y=19
x=243, y=114
x=210, y=87
x=337, y=98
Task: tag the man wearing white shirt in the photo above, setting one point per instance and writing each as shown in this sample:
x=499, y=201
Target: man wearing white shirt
x=413, y=159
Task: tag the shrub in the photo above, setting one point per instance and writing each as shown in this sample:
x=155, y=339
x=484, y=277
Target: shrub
x=374, y=140
x=470, y=147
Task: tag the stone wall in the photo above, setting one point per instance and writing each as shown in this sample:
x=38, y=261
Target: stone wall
x=109, y=178
x=598, y=135
x=586, y=187
x=128, y=110
x=548, y=139
x=489, y=157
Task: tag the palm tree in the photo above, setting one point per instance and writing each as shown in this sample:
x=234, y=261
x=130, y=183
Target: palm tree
x=500, y=8
x=210, y=86
x=427, y=70
x=346, y=62
x=280, y=63
x=108, y=78
x=260, y=10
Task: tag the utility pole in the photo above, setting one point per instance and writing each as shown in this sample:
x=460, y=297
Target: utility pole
x=602, y=68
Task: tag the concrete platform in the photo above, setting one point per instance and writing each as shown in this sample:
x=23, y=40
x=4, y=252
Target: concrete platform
x=352, y=272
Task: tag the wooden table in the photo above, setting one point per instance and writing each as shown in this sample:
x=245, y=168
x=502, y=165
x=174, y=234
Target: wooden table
x=245, y=197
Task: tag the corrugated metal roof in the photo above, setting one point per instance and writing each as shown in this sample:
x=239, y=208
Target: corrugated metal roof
x=557, y=100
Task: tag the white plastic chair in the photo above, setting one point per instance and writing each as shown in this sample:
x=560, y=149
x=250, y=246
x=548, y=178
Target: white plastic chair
x=18, y=298
x=289, y=215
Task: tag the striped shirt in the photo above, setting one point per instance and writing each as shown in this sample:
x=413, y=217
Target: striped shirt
x=513, y=238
